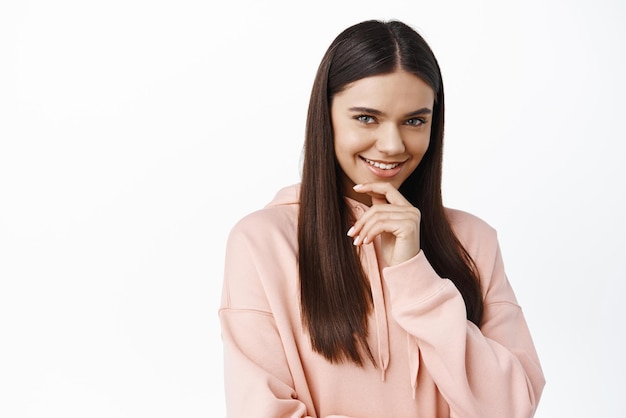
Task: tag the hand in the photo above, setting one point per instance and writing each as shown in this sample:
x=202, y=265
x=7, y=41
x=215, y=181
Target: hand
x=393, y=218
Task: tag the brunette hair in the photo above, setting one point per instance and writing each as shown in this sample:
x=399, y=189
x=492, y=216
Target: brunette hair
x=334, y=291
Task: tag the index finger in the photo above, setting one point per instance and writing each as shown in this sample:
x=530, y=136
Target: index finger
x=382, y=192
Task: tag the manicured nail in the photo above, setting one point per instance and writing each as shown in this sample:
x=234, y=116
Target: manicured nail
x=357, y=186
x=350, y=231
x=356, y=240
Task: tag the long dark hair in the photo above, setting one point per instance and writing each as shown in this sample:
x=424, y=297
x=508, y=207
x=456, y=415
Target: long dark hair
x=334, y=291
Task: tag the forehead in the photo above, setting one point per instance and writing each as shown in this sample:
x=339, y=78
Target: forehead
x=397, y=89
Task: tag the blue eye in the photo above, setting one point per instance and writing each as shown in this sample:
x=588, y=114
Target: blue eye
x=415, y=122
x=365, y=119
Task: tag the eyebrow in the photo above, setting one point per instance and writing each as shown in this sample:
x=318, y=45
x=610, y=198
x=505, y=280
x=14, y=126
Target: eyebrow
x=376, y=112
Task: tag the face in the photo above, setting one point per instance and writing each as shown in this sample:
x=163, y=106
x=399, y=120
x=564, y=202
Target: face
x=381, y=127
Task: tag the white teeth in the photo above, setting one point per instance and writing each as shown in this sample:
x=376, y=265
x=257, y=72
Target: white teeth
x=382, y=166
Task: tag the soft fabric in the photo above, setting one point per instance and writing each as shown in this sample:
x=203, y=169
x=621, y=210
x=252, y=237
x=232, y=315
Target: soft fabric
x=431, y=361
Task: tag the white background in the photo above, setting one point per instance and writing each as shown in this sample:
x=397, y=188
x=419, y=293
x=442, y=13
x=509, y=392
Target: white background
x=135, y=133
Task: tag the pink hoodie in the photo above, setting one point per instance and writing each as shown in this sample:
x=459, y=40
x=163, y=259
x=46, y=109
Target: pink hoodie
x=431, y=361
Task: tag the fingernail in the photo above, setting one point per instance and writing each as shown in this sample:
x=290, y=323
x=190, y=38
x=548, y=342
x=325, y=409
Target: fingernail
x=357, y=186
x=350, y=231
x=356, y=240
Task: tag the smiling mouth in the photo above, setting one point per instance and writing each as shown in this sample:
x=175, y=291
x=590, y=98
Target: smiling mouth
x=381, y=166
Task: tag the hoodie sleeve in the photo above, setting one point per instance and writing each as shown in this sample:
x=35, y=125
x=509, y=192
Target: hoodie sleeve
x=258, y=370
x=487, y=372
x=257, y=378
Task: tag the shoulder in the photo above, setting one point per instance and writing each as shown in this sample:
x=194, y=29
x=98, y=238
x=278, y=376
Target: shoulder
x=471, y=230
x=480, y=240
x=278, y=218
x=462, y=220
x=267, y=221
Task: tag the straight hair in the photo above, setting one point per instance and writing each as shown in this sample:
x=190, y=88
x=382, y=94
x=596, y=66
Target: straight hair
x=335, y=294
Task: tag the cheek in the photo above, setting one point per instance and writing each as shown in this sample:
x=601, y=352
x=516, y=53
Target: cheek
x=424, y=147
x=345, y=154
x=419, y=147
x=348, y=142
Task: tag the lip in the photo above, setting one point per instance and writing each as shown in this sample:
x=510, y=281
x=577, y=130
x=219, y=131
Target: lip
x=380, y=171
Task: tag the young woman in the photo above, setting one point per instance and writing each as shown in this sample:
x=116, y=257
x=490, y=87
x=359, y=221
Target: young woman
x=356, y=293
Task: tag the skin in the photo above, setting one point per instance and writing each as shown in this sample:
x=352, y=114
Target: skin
x=385, y=119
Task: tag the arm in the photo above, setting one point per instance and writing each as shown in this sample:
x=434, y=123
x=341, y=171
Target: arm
x=257, y=380
x=256, y=377
x=488, y=372
x=258, y=373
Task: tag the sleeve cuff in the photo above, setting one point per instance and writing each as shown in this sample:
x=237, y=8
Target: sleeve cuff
x=413, y=277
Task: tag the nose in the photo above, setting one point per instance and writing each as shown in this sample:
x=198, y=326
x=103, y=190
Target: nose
x=390, y=141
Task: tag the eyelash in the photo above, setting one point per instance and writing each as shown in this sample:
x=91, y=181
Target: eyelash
x=420, y=120
x=364, y=118
x=361, y=118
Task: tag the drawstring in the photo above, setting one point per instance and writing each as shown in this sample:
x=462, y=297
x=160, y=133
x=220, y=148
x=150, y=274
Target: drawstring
x=382, y=328
x=380, y=315
x=381, y=320
x=414, y=361
x=378, y=298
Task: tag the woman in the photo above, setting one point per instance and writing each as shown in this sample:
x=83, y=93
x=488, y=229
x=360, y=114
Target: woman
x=356, y=293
